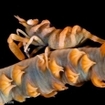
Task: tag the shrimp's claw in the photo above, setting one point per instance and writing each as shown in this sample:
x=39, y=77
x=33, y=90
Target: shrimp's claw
x=16, y=48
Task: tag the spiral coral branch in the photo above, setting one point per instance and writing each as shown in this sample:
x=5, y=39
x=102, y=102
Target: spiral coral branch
x=48, y=73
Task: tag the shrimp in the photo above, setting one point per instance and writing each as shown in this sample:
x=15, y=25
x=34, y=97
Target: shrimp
x=42, y=34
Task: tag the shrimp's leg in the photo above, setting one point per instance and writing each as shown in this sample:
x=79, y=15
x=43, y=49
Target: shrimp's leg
x=31, y=40
x=22, y=32
x=35, y=50
x=96, y=39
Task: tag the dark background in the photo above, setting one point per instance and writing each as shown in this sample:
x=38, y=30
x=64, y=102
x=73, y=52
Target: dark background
x=89, y=15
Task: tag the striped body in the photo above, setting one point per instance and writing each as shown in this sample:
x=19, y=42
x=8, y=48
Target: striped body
x=59, y=38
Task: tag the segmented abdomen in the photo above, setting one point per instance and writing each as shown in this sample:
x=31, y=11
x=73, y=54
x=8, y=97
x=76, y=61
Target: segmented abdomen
x=68, y=37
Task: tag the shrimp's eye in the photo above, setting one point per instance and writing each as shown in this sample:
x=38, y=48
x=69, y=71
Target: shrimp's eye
x=32, y=22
